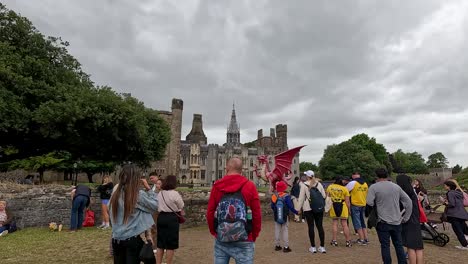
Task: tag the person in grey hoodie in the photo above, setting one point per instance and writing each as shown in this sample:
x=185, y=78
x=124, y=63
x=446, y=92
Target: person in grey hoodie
x=456, y=213
x=386, y=196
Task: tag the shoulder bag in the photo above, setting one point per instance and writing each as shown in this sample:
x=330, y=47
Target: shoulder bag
x=180, y=215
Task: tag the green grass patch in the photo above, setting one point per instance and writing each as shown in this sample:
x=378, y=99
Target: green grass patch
x=39, y=245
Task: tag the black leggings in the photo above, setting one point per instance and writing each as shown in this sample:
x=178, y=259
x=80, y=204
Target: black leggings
x=460, y=228
x=128, y=251
x=318, y=219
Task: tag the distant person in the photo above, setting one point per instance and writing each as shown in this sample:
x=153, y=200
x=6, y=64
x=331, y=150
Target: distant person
x=281, y=204
x=234, y=216
x=456, y=213
x=6, y=219
x=386, y=196
x=339, y=211
x=358, y=190
x=295, y=190
x=312, y=213
x=170, y=205
x=131, y=207
x=81, y=195
x=153, y=177
x=105, y=192
x=411, y=230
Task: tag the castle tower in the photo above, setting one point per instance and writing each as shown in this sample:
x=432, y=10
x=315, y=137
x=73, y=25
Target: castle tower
x=233, y=131
x=282, y=134
x=173, y=157
x=197, y=135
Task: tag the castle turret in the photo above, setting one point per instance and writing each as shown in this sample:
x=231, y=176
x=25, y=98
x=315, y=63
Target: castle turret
x=233, y=130
x=196, y=135
x=282, y=135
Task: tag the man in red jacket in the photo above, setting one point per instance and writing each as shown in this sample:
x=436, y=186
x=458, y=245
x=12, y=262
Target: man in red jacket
x=232, y=182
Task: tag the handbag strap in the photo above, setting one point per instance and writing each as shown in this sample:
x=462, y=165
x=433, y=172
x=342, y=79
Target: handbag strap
x=162, y=194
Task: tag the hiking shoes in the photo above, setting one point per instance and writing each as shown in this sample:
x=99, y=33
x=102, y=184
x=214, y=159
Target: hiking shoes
x=334, y=243
x=287, y=249
x=322, y=250
x=313, y=250
x=278, y=248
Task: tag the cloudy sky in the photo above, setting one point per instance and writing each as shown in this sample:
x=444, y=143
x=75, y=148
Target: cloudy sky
x=396, y=70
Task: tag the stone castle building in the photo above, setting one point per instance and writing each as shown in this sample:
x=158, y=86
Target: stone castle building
x=196, y=162
x=202, y=163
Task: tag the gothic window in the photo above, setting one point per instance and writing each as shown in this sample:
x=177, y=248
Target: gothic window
x=184, y=160
x=202, y=176
x=251, y=162
x=220, y=174
x=251, y=175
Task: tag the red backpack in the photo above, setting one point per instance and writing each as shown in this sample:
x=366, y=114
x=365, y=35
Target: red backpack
x=89, y=218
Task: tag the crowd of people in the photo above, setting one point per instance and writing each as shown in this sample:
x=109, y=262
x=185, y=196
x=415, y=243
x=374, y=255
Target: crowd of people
x=145, y=217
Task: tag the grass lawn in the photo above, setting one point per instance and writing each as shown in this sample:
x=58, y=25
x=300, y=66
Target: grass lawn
x=39, y=245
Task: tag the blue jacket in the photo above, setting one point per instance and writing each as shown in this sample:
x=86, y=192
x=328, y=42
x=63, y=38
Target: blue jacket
x=139, y=221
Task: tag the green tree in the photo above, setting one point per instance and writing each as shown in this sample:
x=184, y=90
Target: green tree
x=377, y=149
x=408, y=162
x=437, y=160
x=457, y=169
x=346, y=158
x=38, y=163
x=305, y=166
x=48, y=104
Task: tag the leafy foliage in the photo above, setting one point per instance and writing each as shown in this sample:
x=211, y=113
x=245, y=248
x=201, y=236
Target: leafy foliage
x=408, y=162
x=437, y=160
x=457, y=169
x=49, y=105
x=345, y=158
x=378, y=150
x=305, y=166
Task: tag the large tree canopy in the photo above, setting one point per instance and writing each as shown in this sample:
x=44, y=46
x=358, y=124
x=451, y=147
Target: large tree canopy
x=408, y=162
x=49, y=105
x=346, y=158
x=437, y=160
x=305, y=166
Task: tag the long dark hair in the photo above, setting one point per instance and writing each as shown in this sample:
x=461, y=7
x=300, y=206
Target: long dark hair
x=295, y=180
x=404, y=181
x=421, y=186
x=129, y=185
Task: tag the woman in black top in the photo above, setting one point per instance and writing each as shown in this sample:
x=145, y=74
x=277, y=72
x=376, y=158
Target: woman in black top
x=105, y=191
x=295, y=195
x=411, y=230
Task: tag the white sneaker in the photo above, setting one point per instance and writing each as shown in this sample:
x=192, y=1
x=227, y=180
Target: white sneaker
x=313, y=250
x=102, y=226
x=303, y=221
x=462, y=247
x=322, y=250
x=4, y=233
x=106, y=227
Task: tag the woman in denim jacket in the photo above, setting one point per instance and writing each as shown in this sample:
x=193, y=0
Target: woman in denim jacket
x=131, y=214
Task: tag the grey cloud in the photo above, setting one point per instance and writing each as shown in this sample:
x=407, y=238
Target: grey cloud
x=327, y=69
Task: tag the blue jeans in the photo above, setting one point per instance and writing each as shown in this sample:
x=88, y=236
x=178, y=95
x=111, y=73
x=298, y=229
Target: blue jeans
x=357, y=215
x=3, y=228
x=385, y=232
x=78, y=206
x=242, y=252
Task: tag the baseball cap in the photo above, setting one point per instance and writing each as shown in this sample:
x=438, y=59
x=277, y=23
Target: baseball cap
x=309, y=173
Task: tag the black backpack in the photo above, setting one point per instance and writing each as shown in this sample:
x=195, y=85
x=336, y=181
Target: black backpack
x=316, y=200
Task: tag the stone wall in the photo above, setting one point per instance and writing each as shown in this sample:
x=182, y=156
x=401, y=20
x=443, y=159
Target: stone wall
x=38, y=205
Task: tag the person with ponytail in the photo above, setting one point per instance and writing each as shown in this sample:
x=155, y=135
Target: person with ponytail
x=131, y=212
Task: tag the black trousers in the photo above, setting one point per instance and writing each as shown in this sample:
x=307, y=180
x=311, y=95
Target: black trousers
x=128, y=251
x=318, y=219
x=460, y=228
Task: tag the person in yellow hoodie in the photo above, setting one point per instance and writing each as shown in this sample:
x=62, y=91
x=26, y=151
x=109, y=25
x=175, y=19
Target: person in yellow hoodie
x=358, y=190
x=281, y=203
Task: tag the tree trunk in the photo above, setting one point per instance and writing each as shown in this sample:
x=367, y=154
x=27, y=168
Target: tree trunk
x=41, y=176
x=90, y=177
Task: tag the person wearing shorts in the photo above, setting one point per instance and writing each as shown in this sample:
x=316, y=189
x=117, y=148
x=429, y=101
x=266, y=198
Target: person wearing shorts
x=358, y=189
x=339, y=212
x=105, y=192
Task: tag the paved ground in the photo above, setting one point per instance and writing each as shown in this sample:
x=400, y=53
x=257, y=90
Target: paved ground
x=197, y=247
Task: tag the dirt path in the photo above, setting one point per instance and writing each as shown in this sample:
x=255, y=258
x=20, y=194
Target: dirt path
x=197, y=247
